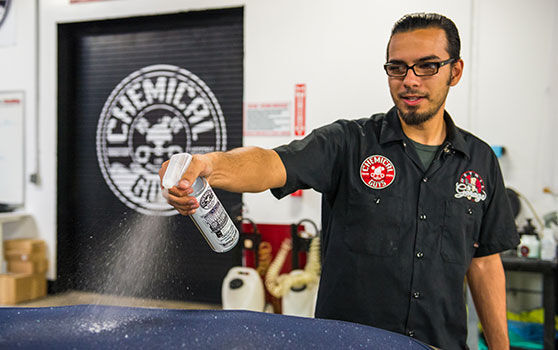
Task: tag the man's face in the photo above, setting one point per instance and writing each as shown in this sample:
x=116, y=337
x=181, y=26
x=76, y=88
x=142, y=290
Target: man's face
x=419, y=98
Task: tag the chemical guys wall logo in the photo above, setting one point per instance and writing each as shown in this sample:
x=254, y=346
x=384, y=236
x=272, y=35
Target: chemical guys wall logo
x=377, y=172
x=470, y=186
x=150, y=115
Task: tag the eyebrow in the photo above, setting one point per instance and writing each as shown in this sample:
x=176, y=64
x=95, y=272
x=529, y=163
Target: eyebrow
x=422, y=59
x=428, y=58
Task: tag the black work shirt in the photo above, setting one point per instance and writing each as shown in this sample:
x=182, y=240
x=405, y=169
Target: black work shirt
x=398, y=238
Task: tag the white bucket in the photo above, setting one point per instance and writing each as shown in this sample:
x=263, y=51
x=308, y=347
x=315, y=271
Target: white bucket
x=243, y=290
x=300, y=300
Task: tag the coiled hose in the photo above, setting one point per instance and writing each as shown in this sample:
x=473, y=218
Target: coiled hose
x=264, y=258
x=279, y=285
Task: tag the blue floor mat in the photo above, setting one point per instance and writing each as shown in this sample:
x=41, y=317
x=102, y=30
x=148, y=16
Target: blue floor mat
x=114, y=327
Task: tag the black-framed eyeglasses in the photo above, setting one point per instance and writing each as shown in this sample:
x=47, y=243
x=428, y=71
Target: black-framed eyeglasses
x=421, y=69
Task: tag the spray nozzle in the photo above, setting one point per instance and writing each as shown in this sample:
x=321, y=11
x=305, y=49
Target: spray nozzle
x=177, y=166
x=529, y=229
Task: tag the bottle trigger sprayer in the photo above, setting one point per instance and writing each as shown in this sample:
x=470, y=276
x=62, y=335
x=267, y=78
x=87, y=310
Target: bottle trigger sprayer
x=210, y=218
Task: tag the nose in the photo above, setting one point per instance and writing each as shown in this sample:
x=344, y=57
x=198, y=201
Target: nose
x=411, y=79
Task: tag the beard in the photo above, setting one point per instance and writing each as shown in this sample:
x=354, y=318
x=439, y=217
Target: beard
x=414, y=118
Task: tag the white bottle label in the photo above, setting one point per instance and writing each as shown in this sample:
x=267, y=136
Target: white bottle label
x=214, y=222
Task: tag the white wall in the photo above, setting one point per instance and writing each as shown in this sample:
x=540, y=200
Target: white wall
x=515, y=92
x=514, y=105
x=337, y=49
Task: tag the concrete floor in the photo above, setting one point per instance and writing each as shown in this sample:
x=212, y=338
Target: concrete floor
x=78, y=297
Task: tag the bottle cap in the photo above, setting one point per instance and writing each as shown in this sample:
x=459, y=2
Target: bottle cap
x=177, y=166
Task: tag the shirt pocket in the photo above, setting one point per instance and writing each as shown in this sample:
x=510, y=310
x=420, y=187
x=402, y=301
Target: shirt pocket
x=460, y=231
x=373, y=224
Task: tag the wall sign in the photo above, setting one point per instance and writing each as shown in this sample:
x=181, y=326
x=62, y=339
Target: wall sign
x=300, y=109
x=267, y=119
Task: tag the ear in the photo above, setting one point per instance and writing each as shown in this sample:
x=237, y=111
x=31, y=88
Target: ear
x=456, y=72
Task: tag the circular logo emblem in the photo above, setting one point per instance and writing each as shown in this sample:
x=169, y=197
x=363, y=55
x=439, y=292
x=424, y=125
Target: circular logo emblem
x=207, y=199
x=470, y=186
x=150, y=115
x=377, y=172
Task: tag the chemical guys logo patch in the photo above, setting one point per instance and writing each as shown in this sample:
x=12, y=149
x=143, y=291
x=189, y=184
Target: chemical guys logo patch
x=377, y=172
x=470, y=186
x=150, y=115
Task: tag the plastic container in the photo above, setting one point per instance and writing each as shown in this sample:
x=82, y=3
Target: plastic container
x=300, y=300
x=548, y=245
x=210, y=218
x=529, y=247
x=243, y=290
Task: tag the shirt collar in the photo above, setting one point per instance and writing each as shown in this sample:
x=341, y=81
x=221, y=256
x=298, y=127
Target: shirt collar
x=391, y=128
x=455, y=136
x=391, y=131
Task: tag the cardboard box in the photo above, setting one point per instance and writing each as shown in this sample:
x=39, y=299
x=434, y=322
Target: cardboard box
x=25, y=245
x=29, y=267
x=24, y=249
x=26, y=256
x=20, y=256
x=15, y=288
x=38, y=286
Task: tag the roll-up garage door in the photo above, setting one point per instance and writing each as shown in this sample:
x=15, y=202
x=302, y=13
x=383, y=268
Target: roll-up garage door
x=132, y=92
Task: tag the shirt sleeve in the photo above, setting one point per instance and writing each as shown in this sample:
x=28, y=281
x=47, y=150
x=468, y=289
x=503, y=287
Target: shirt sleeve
x=313, y=161
x=498, y=231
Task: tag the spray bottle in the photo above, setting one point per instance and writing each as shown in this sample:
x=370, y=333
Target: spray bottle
x=210, y=218
x=530, y=245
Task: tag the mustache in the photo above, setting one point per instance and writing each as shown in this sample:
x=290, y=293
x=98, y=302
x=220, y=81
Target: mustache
x=416, y=93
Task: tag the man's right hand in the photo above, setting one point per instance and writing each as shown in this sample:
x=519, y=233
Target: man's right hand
x=179, y=196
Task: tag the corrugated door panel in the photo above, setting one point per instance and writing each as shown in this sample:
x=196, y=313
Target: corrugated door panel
x=131, y=93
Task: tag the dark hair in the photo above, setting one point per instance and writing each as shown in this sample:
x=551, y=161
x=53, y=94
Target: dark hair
x=415, y=21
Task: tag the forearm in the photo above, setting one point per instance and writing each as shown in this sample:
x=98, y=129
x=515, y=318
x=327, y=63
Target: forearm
x=487, y=283
x=246, y=169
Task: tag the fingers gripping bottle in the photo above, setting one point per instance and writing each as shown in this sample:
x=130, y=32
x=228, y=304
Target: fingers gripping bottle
x=210, y=218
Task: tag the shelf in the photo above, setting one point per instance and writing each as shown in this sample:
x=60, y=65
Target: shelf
x=12, y=216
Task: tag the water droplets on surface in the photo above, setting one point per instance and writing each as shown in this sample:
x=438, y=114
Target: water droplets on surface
x=98, y=327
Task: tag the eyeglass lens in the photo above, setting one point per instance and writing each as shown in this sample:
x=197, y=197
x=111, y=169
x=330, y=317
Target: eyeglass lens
x=420, y=69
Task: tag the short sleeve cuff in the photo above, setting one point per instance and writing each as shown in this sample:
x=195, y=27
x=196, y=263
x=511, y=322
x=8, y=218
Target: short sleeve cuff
x=489, y=249
x=289, y=186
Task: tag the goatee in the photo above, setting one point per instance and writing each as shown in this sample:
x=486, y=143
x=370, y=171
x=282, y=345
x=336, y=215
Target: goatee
x=413, y=118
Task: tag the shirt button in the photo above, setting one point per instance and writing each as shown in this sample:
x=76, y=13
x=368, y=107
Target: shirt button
x=422, y=216
x=470, y=211
x=411, y=333
x=377, y=200
x=424, y=179
x=420, y=255
x=404, y=144
x=416, y=295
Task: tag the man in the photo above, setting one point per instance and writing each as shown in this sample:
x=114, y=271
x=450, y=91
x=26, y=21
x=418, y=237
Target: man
x=412, y=203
